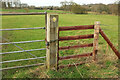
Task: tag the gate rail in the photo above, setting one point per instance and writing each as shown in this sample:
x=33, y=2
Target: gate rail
x=40, y=13
x=22, y=29
x=22, y=42
x=22, y=66
x=76, y=46
x=22, y=59
x=23, y=51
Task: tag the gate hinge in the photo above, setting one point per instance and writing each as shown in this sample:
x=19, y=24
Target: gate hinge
x=48, y=43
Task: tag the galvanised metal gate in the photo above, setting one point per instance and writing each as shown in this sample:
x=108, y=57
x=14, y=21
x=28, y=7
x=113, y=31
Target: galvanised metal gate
x=22, y=50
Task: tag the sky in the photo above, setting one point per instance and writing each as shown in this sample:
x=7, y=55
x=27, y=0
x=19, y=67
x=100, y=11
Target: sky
x=57, y=2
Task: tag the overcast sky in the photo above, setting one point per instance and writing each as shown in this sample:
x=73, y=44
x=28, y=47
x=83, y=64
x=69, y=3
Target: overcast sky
x=57, y=2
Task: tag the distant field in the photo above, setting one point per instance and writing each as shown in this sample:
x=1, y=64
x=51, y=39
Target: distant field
x=105, y=67
x=34, y=10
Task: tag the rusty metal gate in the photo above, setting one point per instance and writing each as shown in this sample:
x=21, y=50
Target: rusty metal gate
x=89, y=36
x=97, y=31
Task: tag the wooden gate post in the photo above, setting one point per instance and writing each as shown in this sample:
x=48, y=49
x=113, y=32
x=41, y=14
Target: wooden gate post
x=52, y=41
x=96, y=36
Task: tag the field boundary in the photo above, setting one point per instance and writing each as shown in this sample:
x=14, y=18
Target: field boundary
x=52, y=40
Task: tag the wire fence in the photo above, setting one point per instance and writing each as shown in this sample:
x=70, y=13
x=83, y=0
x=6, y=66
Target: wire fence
x=108, y=26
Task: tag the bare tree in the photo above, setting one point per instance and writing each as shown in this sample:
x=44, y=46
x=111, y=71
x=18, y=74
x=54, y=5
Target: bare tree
x=114, y=8
x=9, y=3
x=3, y=4
x=24, y=5
x=17, y=3
x=67, y=5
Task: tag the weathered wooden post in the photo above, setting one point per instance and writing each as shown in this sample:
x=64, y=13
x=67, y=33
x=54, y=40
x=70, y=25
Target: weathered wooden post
x=96, y=36
x=52, y=41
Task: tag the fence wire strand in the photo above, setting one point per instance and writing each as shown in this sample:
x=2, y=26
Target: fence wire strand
x=108, y=26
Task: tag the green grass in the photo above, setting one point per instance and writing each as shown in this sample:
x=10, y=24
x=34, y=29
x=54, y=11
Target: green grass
x=34, y=10
x=105, y=67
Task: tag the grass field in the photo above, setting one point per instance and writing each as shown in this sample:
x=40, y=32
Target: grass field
x=33, y=10
x=105, y=67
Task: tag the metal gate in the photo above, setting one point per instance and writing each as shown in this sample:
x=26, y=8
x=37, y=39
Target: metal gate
x=22, y=50
x=97, y=31
x=89, y=36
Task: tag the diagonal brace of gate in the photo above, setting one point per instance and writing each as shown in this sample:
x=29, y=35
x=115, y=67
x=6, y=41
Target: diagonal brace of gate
x=109, y=43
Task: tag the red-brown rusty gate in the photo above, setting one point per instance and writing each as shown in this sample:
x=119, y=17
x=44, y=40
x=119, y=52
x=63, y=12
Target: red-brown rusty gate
x=89, y=36
x=97, y=30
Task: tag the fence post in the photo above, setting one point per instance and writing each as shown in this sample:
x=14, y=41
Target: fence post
x=95, y=42
x=52, y=41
